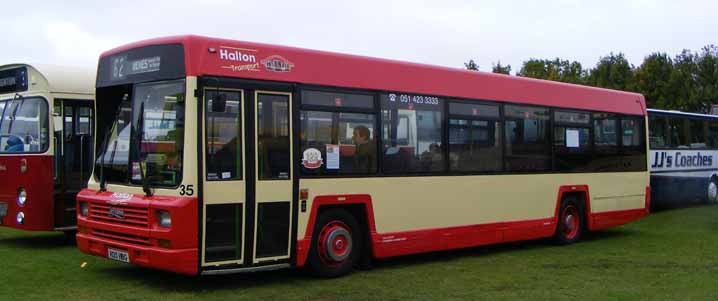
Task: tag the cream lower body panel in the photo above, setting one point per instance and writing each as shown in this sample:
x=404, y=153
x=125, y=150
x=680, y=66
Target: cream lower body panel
x=414, y=203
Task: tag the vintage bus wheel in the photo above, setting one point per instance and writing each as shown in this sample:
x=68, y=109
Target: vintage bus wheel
x=570, y=222
x=335, y=244
x=712, y=192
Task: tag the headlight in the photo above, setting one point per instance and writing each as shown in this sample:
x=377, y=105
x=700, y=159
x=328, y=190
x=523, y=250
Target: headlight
x=20, y=218
x=83, y=208
x=164, y=219
x=21, y=197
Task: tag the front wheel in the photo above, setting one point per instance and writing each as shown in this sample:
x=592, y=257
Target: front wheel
x=336, y=244
x=570, y=222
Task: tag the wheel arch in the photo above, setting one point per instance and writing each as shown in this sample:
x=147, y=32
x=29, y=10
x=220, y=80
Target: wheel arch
x=581, y=193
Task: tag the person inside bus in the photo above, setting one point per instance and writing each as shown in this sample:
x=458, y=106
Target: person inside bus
x=365, y=156
x=14, y=144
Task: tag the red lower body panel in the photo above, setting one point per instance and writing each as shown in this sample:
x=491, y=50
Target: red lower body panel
x=429, y=240
x=183, y=261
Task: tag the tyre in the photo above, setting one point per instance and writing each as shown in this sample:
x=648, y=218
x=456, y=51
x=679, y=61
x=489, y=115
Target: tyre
x=571, y=222
x=336, y=244
x=712, y=192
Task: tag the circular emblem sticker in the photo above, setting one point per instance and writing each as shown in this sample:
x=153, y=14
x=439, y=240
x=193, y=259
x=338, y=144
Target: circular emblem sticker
x=312, y=158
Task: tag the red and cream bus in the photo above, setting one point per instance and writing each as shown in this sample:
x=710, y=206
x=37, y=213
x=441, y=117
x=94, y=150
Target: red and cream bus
x=220, y=156
x=46, y=144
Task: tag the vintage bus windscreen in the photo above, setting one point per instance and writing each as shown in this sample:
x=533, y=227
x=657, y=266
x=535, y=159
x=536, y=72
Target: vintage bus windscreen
x=23, y=125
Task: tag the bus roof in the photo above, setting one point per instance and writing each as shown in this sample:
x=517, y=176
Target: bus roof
x=680, y=113
x=57, y=79
x=222, y=57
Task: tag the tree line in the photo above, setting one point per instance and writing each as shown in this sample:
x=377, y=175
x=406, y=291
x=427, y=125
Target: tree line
x=686, y=82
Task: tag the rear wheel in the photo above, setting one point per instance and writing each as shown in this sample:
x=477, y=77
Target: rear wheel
x=712, y=196
x=570, y=222
x=336, y=244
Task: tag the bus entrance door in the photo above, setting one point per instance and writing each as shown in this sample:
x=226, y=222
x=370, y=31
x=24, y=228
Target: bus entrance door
x=247, y=187
x=73, y=157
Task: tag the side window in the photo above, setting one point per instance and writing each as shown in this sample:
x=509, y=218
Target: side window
x=527, y=138
x=475, y=143
x=633, y=143
x=606, y=154
x=658, y=136
x=572, y=140
x=678, y=130
x=412, y=128
x=224, y=136
x=69, y=113
x=84, y=121
x=713, y=133
x=697, y=133
x=338, y=134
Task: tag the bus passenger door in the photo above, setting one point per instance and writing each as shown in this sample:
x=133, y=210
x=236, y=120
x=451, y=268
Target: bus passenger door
x=224, y=177
x=73, y=142
x=272, y=202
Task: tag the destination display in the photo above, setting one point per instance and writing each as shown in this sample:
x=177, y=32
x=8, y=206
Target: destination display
x=13, y=80
x=142, y=65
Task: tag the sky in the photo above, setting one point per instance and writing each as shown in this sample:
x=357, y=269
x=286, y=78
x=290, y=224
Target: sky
x=439, y=32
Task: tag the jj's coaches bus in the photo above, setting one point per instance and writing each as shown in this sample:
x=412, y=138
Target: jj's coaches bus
x=683, y=157
x=46, y=144
x=221, y=156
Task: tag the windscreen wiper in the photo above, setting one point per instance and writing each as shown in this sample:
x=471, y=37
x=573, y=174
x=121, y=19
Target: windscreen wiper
x=143, y=161
x=103, y=186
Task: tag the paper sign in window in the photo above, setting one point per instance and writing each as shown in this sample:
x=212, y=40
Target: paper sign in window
x=572, y=138
x=332, y=156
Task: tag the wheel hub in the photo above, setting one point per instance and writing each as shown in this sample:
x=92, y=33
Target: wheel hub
x=335, y=243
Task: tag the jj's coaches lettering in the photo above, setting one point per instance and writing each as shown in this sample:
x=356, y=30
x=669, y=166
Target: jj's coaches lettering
x=680, y=159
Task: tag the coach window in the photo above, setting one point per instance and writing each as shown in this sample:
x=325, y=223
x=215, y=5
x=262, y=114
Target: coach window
x=712, y=133
x=224, y=144
x=633, y=146
x=527, y=138
x=474, y=137
x=338, y=135
x=697, y=133
x=658, y=131
x=678, y=131
x=572, y=145
x=412, y=127
x=606, y=154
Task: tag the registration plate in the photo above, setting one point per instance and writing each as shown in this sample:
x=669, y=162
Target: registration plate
x=3, y=209
x=118, y=255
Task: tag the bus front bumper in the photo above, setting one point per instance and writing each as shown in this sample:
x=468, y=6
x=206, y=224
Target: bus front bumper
x=182, y=261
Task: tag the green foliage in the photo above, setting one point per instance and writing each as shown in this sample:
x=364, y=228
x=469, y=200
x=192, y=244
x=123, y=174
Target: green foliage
x=471, y=65
x=498, y=68
x=687, y=82
x=556, y=70
x=612, y=72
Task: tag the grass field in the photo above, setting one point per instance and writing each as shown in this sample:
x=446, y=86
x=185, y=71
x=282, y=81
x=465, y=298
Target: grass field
x=670, y=255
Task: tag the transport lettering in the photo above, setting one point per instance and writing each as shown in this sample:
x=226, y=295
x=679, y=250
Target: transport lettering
x=679, y=159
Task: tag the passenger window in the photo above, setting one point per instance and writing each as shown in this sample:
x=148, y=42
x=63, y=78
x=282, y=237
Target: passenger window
x=572, y=144
x=633, y=148
x=84, y=123
x=412, y=128
x=697, y=133
x=606, y=155
x=336, y=143
x=713, y=133
x=474, y=138
x=678, y=129
x=335, y=139
x=224, y=136
x=658, y=136
x=527, y=138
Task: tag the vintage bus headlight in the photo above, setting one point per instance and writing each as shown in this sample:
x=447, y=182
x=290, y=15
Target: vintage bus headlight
x=21, y=197
x=163, y=219
x=20, y=218
x=83, y=208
